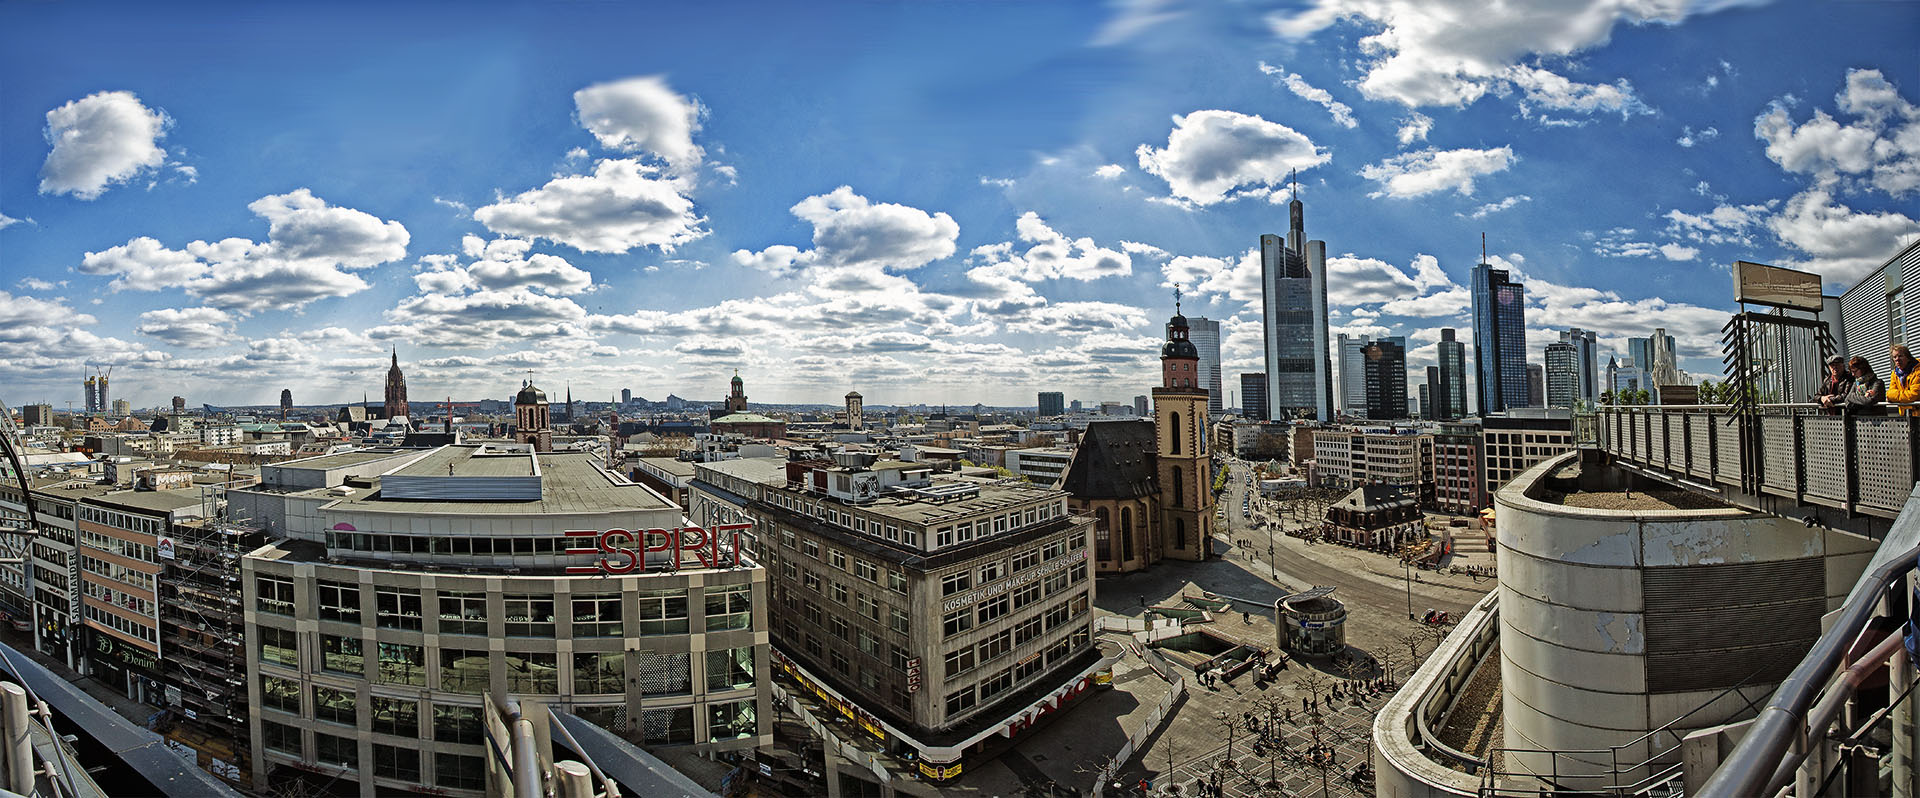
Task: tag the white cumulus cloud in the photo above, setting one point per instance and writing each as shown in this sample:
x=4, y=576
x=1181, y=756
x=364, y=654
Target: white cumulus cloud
x=1415, y=127
x=1424, y=172
x=1211, y=153
x=643, y=114
x=1880, y=145
x=189, y=328
x=623, y=204
x=99, y=140
x=851, y=231
x=308, y=244
x=1453, y=52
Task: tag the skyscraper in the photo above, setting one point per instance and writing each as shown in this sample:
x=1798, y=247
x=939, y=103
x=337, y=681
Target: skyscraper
x=1386, y=375
x=1293, y=280
x=286, y=401
x=856, y=411
x=1052, y=403
x=626, y=396
x=396, y=405
x=1499, y=339
x=1452, y=400
x=1536, y=386
x=1425, y=410
x=1253, y=396
x=1563, y=374
x=1351, y=355
x=1206, y=338
x=1433, y=395
x=1586, y=358
x=1142, y=406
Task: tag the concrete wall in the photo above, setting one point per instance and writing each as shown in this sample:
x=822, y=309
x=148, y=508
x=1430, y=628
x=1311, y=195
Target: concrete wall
x=1404, y=766
x=1618, y=622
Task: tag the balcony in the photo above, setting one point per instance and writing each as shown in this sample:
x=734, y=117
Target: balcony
x=1850, y=472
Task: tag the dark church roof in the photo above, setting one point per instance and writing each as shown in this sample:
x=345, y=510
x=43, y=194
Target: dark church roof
x=1115, y=461
x=1378, y=496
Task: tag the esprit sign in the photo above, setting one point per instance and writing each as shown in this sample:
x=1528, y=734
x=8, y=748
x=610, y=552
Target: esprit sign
x=1055, y=566
x=621, y=551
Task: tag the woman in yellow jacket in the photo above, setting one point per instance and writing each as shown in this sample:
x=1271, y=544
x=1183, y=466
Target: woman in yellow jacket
x=1903, y=382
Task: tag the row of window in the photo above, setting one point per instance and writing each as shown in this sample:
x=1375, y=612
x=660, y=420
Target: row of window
x=864, y=569
x=113, y=545
x=827, y=511
x=967, y=698
x=524, y=615
x=122, y=625
x=968, y=578
x=451, y=771
x=118, y=520
x=117, y=572
x=382, y=543
x=995, y=608
x=966, y=658
x=470, y=670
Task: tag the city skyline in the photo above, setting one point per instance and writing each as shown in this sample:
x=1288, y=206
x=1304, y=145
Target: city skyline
x=899, y=217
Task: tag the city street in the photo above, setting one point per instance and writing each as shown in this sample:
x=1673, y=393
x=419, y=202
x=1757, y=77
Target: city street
x=1376, y=590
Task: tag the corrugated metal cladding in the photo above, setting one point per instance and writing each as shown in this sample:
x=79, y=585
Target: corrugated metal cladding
x=1709, y=627
x=1865, y=311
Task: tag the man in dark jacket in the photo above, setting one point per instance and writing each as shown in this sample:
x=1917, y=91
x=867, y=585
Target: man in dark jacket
x=1833, y=391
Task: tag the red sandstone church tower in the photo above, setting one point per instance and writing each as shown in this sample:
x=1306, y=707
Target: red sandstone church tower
x=396, y=389
x=1184, y=463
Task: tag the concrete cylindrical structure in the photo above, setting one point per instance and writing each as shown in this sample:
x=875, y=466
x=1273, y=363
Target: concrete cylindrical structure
x=1619, y=622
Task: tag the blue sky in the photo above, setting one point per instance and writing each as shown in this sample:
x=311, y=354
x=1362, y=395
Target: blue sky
x=927, y=202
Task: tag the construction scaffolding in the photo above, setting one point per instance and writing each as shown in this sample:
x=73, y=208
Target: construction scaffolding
x=202, y=626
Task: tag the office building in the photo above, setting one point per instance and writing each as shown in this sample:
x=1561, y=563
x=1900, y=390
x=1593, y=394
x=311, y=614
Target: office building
x=1514, y=441
x=1052, y=403
x=1042, y=466
x=94, y=390
x=1499, y=339
x=1345, y=457
x=1459, y=484
x=1536, y=386
x=1424, y=409
x=122, y=408
x=1452, y=398
x=1253, y=396
x=286, y=401
x=1294, y=303
x=1586, y=360
x=179, y=404
x=1352, y=356
x=408, y=586
x=1386, y=378
x=941, y=614
x=1141, y=405
x=1562, y=374
x=36, y=415
x=1206, y=339
x=1664, y=367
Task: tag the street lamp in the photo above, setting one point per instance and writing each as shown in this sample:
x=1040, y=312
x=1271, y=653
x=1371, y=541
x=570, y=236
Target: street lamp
x=1406, y=565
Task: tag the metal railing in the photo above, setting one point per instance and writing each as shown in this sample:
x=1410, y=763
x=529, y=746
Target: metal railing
x=1796, y=720
x=1778, y=457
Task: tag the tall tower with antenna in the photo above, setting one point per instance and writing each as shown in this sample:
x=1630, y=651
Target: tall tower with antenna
x=1293, y=282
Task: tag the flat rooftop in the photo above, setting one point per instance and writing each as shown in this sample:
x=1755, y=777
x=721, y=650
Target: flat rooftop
x=471, y=461
x=671, y=465
x=570, y=482
x=341, y=459
x=994, y=494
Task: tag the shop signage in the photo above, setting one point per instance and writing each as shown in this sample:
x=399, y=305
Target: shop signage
x=846, y=708
x=913, y=675
x=165, y=548
x=621, y=551
x=941, y=772
x=1046, y=569
x=118, y=651
x=1056, y=700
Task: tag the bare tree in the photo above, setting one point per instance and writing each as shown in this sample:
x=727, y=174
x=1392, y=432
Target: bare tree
x=1228, y=724
x=1413, y=639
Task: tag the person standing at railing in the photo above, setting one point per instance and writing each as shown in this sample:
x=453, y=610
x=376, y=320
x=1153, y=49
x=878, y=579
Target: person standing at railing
x=1903, y=384
x=1868, y=393
x=1833, y=390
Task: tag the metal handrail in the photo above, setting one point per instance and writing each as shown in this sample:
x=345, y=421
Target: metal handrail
x=1746, y=771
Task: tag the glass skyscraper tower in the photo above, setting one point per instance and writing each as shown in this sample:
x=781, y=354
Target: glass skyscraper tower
x=1499, y=339
x=1293, y=281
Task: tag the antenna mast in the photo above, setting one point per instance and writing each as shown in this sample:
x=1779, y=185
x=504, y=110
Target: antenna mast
x=1483, y=247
